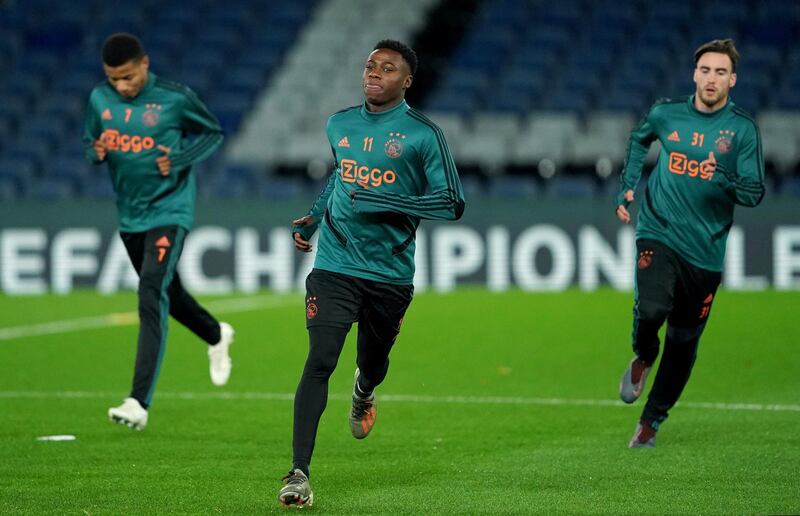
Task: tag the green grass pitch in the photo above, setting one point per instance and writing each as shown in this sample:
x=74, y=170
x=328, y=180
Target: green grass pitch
x=495, y=403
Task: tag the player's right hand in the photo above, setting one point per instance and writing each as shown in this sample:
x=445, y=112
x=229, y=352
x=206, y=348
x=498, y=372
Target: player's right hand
x=622, y=212
x=300, y=243
x=100, y=149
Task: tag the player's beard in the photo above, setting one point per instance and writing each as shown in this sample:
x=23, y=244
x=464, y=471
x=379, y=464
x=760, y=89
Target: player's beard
x=713, y=100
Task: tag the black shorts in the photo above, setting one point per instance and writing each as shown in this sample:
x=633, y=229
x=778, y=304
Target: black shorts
x=153, y=251
x=665, y=279
x=334, y=299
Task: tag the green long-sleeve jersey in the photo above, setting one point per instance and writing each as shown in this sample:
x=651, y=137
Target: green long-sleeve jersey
x=392, y=169
x=160, y=120
x=685, y=206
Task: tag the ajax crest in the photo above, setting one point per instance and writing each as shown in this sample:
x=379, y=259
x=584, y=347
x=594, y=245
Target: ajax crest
x=393, y=146
x=724, y=141
x=645, y=259
x=311, y=307
x=150, y=118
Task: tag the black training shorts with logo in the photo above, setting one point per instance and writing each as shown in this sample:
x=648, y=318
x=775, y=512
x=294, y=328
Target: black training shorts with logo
x=339, y=300
x=665, y=281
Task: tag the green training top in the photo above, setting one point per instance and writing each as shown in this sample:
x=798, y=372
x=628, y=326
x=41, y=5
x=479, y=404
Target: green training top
x=685, y=206
x=392, y=169
x=139, y=130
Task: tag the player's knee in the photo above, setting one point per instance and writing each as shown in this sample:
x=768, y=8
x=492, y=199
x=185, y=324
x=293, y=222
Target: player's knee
x=321, y=365
x=651, y=311
x=682, y=334
x=149, y=279
x=149, y=288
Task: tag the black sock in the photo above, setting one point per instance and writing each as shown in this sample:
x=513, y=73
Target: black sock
x=302, y=466
x=359, y=389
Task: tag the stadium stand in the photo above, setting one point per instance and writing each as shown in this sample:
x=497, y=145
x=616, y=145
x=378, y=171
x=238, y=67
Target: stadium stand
x=537, y=97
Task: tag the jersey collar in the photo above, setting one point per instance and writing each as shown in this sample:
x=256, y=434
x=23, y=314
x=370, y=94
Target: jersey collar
x=384, y=116
x=724, y=109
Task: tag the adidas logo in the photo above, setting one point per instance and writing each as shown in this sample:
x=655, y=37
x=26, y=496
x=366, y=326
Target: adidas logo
x=163, y=242
x=673, y=137
x=106, y=114
x=343, y=142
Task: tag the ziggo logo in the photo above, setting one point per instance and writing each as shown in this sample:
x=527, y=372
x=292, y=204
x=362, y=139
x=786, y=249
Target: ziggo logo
x=680, y=164
x=126, y=143
x=352, y=172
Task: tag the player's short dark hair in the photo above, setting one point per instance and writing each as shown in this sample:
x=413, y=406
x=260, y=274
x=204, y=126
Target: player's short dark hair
x=409, y=56
x=722, y=46
x=120, y=48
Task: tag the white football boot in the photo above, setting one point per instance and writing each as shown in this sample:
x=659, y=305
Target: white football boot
x=130, y=413
x=219, y=360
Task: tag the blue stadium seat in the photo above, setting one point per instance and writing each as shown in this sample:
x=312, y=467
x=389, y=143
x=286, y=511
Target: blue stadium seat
x=792, y=187
x=27, y=87
x=205, y=57
x=466, y=83
x=198, y=80
x=223, y=38
x=723, y=11
x=248, y=173
x=244, y=81
x=68, y=108
x=570, y=187
x=168, y=39
x=748, y=95
x=97, y=186
x=559, y=13
x=75, y=168
x=41, y=63
x=513, y=187
x=225, y=187
x=16, y=170
x=789, y=9
x=547, y=39
x=229, y=109
x=473, y=188
x=43, y=128
x=281, y=188
x=32, y=150
x=566, y=99
x=52, y=189
x=523, y=81
x=452, y=101
x=623, y=99
x=54, y=37
x=262, y=59
x=277, y=38
x=510, y=99
x=79, y=84
x=505, y=13
x=10, y=189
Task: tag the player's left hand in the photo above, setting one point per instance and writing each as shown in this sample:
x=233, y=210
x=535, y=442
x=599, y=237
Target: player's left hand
x=300, y=243
x=708, y=166
x=163, y=162
x=623, y=214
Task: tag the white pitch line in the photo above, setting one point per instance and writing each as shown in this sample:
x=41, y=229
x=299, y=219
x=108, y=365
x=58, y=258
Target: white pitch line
x=403, y=398
x=222, y=306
